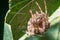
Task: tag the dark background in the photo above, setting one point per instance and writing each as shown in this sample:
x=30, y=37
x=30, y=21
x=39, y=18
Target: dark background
x=3, y=9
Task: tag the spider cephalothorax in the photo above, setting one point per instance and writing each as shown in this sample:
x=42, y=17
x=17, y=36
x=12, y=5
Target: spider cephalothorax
x=38, y=23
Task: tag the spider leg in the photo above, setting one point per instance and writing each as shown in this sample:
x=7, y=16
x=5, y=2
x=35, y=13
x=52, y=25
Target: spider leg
x=39, y=7
x=32, y=15
x=37, y=12
x=31, y=12
x=45, y=6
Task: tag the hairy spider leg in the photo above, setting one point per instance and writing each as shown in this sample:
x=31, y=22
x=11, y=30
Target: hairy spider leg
x=45, y=6
x=31, y=12
x=39, y=7
x=37, y=12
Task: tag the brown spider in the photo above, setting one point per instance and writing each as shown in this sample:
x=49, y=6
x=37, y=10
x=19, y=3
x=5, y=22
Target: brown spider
x=38, y=23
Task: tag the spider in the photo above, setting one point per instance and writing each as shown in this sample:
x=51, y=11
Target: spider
x=38, y=23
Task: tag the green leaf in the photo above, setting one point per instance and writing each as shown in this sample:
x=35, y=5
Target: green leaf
x=19, y=14
x=53, y=32
x=55, y=17
x=7, y=32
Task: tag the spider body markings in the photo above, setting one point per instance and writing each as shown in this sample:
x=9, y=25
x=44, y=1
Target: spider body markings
x=38, y=23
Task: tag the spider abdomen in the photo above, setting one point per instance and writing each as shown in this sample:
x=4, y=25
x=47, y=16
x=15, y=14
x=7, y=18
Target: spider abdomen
x=38, y=24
